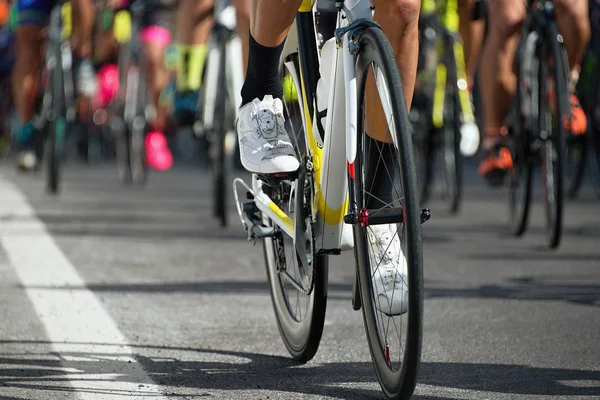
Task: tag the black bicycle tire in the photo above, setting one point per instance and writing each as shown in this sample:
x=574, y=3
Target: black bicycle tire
x=219, y=162
x=54, y=145
x=423, y=129
x=575, y=181
x=137, y=134
x=451, y=136
x=554, y=215
x=304, y=347
x=520, y=138
x=424, y=151
x=119, y=127
x=375, y=48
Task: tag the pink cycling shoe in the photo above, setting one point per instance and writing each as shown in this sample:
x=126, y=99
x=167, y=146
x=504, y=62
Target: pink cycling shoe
x=158, y=154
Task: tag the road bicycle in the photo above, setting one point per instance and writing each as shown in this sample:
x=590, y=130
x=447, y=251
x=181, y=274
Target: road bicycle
x=537, y=123
x=57, y=110
x=584, y=150
x=218, y=101
x=326, y=206
x=442, y=113
x=131, y=113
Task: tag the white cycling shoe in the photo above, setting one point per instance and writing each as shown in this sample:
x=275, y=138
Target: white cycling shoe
x=388, y=270
x=265, y=147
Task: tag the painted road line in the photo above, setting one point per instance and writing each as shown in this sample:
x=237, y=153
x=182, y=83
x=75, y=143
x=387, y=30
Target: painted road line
x=69, y=316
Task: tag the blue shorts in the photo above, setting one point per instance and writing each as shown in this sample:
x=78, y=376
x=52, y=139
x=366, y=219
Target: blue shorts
x=7, y=52
x=34, y=12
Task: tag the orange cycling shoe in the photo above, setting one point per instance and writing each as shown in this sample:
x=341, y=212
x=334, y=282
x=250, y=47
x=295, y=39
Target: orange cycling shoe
x=494, y=167
x=577, y=123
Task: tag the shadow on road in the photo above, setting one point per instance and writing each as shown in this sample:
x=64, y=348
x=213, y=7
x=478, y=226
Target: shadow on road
x=336, y=290
x=197, y=371
x=524, y=288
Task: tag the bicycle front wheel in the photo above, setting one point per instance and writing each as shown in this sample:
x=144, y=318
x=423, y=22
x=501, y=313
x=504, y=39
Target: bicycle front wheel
x=394, y=325
x=553, y=113
x=57, y=126
x=223, y=125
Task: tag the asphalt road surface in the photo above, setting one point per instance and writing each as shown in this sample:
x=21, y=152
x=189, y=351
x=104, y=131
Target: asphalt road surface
x=108, y=292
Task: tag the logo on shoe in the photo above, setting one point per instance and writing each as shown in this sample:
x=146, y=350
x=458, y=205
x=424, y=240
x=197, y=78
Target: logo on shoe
x=267, y=123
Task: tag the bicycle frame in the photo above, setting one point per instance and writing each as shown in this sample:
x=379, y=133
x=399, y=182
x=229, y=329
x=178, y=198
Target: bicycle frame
x=129, y=100
x=331, y=161
x=59, y=31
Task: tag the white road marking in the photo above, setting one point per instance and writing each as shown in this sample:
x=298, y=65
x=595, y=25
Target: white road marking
x=69, y=316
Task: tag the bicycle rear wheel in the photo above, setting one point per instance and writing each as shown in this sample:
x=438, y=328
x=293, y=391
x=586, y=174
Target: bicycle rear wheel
x=553, y=113
x=57, y=126
x=394, y=340
x=299, y=296
x=217, y=68
x=451, y=159
x=137, y=132
x=575, y=161
x=520, y=178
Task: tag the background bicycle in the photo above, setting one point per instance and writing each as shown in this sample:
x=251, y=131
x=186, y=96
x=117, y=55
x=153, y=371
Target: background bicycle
x=218, y=102
x=538, y=120
x=444, y=127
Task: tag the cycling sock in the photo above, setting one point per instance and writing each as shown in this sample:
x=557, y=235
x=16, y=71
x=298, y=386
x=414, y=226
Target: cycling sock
x=262, y=75
x=380, y=173
x=191, y=66
x=26, y=135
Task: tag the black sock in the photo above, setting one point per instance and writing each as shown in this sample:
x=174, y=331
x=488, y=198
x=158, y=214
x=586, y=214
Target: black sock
x=379, y=178
x=262, y=75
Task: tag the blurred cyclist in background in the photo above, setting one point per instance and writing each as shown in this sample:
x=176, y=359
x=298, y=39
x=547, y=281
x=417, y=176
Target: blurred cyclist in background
x=194, y=23
x=471, y=33
x=32, y=17
x=7, y=58
x=498, y=80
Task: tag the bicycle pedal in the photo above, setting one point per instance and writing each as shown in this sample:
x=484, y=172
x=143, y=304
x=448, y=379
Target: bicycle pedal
x=250, y=215
x=254, y=226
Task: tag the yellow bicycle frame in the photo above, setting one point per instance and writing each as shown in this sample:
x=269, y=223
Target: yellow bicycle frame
x=67, y=20
x=450, y=20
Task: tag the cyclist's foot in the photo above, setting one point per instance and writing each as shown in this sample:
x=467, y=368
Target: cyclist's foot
x=498, y=161
x=577, y=124
x=389, y=270
x=265, y=146
x=469, y=139
x=85, y=78
x=158, y=154
x=25, y=141
x=186, y=102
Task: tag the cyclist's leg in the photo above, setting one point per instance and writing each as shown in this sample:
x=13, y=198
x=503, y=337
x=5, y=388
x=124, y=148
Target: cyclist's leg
x=399, y=20
x=81, y=41
x=471, y=33
x=574, y=24
x=498, y=82
x=32, y=17
x=156, y=38
x=194, y=23
x=264, y=145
